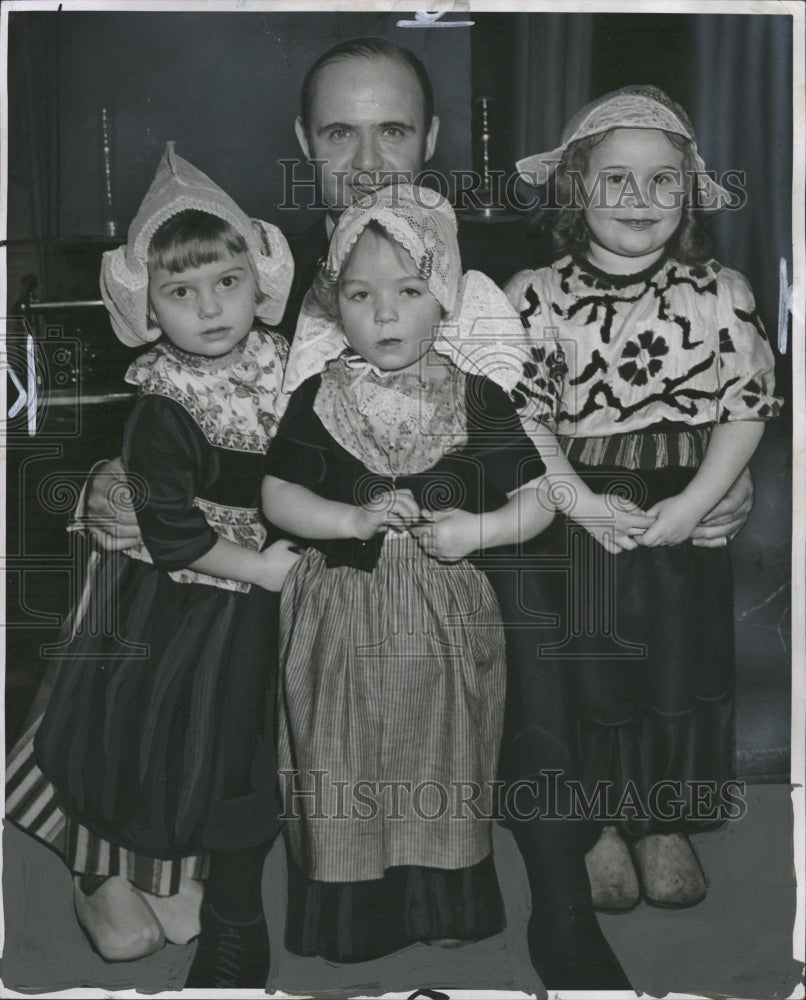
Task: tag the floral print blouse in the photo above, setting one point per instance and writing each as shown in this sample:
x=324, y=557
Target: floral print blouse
x=195, y=441
x=675, y=342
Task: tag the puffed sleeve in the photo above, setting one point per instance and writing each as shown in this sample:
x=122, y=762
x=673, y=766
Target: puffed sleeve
x=537, y=396
x=746, y=361
x=167, y=453
x=298, y=452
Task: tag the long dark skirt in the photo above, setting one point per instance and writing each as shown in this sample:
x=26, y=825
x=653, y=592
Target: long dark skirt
x=648, y=644
x=159, y=734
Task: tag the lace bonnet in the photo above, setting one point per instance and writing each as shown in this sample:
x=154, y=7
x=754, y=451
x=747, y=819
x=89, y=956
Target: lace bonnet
x=631, y=107
x=480, y=332
x=176, y=187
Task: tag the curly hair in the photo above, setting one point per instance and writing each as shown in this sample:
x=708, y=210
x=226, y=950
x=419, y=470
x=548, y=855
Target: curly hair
x=691, y=242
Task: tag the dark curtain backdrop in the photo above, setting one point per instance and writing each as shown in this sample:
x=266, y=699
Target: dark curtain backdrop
x=743, y=113
x=732, y=73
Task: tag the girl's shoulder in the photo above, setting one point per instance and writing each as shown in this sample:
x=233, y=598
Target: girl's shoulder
x=268, y=341
x=728, y=289
x=527, y=287
x=729, y=281
x=161, y=425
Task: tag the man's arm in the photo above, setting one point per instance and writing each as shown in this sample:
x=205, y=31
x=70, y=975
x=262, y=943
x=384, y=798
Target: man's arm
x=728, y=518
x=105, y=507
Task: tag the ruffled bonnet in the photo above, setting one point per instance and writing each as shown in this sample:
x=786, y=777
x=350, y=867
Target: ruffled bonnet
x=178, y=186
x=636, y=106
x=480, y=332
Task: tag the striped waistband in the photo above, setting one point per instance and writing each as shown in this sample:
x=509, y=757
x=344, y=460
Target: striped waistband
x=651, y=448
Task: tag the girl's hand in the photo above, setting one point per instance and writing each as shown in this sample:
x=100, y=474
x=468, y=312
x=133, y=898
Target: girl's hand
x=676, y=519
x=616, y=523
x=396, y=509
x=276, y=561
x=448, y=535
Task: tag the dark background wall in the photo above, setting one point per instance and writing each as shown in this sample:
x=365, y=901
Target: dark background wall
x=224, y=86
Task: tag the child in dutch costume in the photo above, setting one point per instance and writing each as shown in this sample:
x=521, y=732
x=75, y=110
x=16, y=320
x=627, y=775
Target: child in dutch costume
x=669, y=381
x=399, y=460
x=159, y=735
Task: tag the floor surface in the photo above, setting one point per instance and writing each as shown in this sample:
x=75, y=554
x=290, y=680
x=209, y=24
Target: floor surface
x=737, y=943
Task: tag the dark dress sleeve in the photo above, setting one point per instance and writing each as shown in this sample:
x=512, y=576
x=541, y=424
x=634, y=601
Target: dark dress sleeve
x=507, y=457
x=169, y=459
x=299, y=451
x=303, y=453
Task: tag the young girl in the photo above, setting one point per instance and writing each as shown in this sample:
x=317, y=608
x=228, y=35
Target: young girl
x=159, y=735
x=669, y=380
x=396, y=460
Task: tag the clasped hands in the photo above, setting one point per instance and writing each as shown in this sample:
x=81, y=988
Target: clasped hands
x=445, y=535
x=619, y=524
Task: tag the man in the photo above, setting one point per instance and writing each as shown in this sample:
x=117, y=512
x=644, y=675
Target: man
x=367, y=119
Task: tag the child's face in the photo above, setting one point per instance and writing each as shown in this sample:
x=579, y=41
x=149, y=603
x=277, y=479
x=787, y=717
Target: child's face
x=636, y=176
x=388, y=314
x=205, y=310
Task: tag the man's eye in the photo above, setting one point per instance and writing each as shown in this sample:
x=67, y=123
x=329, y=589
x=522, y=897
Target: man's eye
x=393, y=132
x=338, y=134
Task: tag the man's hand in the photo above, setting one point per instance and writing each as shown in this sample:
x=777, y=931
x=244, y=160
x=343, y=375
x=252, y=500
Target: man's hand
x=276, y=562
x=109, y=514
x=727, y=519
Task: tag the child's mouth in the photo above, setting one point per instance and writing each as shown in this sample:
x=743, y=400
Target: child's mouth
x=638, y=224
x=389, y=342
x=216, y=332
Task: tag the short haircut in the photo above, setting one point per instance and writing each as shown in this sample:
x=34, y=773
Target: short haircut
x=367, y=48
x=192, y=238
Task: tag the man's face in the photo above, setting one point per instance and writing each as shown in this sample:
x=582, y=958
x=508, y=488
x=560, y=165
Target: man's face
x=367, y=125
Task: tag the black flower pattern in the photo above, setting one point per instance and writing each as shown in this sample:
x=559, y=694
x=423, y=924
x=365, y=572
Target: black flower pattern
x=643, y=358
x=755, y=396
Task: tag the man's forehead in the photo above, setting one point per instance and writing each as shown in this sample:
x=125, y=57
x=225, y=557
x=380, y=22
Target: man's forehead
x=367, y=89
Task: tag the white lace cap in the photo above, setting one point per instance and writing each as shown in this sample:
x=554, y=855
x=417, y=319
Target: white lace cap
x=178, y=186
x=630, y=107
x=420, y=220
x=483, y=335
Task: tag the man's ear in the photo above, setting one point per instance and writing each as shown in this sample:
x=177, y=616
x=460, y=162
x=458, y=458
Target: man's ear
x=430, y=138
x=302, y=137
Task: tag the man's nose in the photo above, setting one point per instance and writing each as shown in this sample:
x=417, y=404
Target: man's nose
x=208, y=303
x=367, y=154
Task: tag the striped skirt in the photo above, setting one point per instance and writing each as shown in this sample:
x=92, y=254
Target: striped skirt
x=390, y=716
